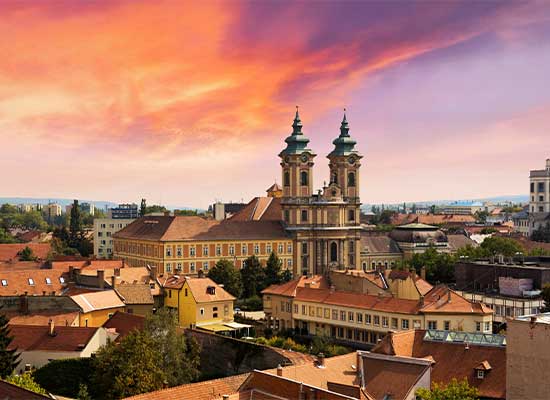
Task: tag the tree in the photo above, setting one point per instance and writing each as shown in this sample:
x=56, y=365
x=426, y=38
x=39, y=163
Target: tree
x=273, y=274
x=542, y=234
x=32, y=220
x=225, y=273
x=83, y=392
x=143, y=208
x=9, y=359
x=432, y=209
x=65, y=377
x=439, y=266
x=252, y=277
x=155, y=208
x=26, y=381
x=26, y=254
x=131, y=367
x=496, y=245
x=5, y=237
x=75, y=225
x=413, y=209
x=180, y=356
x=455, y=390
x=481, y=216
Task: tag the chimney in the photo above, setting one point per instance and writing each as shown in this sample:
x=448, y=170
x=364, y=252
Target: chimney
x=113, y=281
x=448, y=295
x=548, y=164
x=201, y=273
x=279, y=370
x=307, y=285
x=321, y=360
x=423, y=273
x=51, y=328
x=117, y=271
x=23, y=304
x=101, y=279
x=421, y=301
x=154, y=272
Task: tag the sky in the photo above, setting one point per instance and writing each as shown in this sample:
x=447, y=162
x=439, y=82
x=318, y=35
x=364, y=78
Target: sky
x=185, y=103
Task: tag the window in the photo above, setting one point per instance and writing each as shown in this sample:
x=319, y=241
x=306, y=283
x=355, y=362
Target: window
x=532, y=187
x=385, y=322
x=319, y=312
x=31, y=281
x=215, y=315
x=202, y=311
x=286, y=178
x=256, y=249
x=48, y=281
x=351, y=179
x=540, y=187
x=327, y=313
x=342, y=315
x=103, y=226
x=192, y=267
x=192, y=251
x=359, y=318
x=394, y=322
x=404, y=324
x=103, y=242
x=447, y=325
x=335, y=315
x=304, y=181
x=333, y=252
x=205, y=265
x=541, y=209
x=487, y=326
x=350, y=316
x=226, y=310
x=287, y=216
x=368, y=319
x=295, y=308
x=289, y=263
x=478, y=326
x=480, y=374
x=61, y=280
x=231, y=250
x=416, y=324
x=304, y=215
x=178, y=251
x=178, y=267
x=170, y=294
x=168, y=267
x=376, y=320
x=218, y=250
x=351, y=215
x=304, y=247
x=205, y=250
x=311, y=311
x=244, y=249
x=303, y=310
x=108, y=234
x=100, y=234
x=168, y=251
x=4, y=282
x=432, y=325
x=280, y=248
x=289, y=248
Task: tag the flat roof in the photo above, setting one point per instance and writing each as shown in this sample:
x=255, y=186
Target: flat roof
x=542, y=318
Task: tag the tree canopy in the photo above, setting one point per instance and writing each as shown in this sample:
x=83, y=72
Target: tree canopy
x=455, y=390
x=26, y=381
x=542, y=234
x=253, y=277
x=9, y=359
x=225, y=273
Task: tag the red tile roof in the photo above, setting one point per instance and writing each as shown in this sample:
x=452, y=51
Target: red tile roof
x=289, y=288
x=437, y=300
x=452, y=360
x=34, y=282
x=37, y=338
x=199, y=288
x=260, y=208
x=98, y=300
x=9, y=251
x=42, y=318
x=124, y=323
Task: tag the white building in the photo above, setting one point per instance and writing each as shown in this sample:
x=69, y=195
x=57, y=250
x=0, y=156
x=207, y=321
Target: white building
x=539, y=197
x=104, y=229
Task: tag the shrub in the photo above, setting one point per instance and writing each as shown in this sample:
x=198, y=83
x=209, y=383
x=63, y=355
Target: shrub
x=64, y=377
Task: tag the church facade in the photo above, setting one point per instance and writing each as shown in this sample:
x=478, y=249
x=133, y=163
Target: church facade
x=324, y=225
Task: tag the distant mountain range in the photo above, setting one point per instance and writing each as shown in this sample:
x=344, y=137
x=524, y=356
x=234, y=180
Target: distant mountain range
x=497, y=199
x=64, y=202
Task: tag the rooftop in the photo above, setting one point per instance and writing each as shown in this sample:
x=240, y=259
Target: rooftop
x=38, y=338
x=98, y=300
x=123, y=323
x=33, y=282
x=542, y=318
x=9, y=251
x=200, y=288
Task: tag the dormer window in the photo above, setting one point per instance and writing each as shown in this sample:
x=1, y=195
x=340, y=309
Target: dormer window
x=48, y=281
x=4, y=282
x=211, y=290
x=480, y=374
x=61, y=279
x=31, y=281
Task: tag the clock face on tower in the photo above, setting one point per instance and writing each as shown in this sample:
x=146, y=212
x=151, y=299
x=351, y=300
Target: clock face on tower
x=351, y=160
x=304, y=157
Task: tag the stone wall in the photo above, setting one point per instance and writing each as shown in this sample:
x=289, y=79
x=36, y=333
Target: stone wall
x=32, y=304
x=224, y=356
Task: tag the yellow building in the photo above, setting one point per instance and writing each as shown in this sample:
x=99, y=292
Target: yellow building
x=189, y=244
x=309, y=307
x=97, y=307
x=199, y=303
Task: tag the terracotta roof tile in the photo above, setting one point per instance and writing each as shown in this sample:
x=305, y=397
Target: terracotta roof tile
x=98, y=300
x=135, y=293
x=123, y=323
x=199, y=288
x=34, y=282
x=260, y=208
x=289, y=288
x=458, y=241
x=42, y=318
x=37, y=338
x=437, y=301
x=9, y=251
x=379, y=243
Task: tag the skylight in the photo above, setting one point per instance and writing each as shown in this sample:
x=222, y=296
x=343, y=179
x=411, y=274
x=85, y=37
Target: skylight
x=4, y=282
x=31, y=281
x=48, y=281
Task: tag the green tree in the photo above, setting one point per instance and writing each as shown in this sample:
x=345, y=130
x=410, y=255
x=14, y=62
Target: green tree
x=65, y=377
x=542, y=234
x=252, y=277
x=481, y=216
x=433, y=209
x=26, y=254
x=273, y=274
x=9, y=359
x=131, y=367
x=26, y=381
x=32, y=220
x=155, y=208
x=413, y=209
x=439, y=266
x=75, y=225
x=225, y=273
x=180, y=356
x=455, y=390
x=83, y=392
x=143, y=208
x=496, y=245
x=5, y=237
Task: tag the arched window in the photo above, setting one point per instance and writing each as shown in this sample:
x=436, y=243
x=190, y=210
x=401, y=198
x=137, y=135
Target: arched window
x=351, y=179
x=351, y=215
x=333, y=177
x=286, y=179
x=333, y=252
x=304, y=178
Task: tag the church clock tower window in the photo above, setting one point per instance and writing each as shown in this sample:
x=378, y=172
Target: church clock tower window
x=304, y=181
x=351, y=179
x=286, y=179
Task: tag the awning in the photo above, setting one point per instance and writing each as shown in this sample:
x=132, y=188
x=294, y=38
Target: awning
x=216, y=328
x=236, y=325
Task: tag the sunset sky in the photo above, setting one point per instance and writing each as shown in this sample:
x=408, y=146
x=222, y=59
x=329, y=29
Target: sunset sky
x=187, y=102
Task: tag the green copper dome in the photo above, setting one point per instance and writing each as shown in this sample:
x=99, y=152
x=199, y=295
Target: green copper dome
x=296, y=143
x=344, y=145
